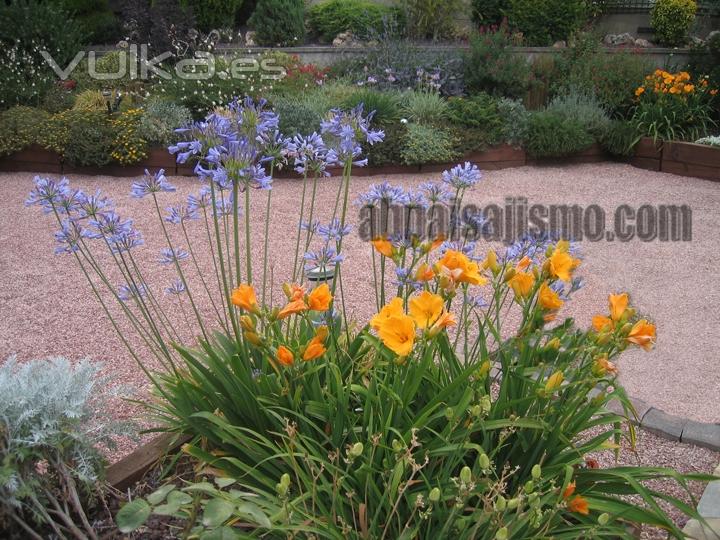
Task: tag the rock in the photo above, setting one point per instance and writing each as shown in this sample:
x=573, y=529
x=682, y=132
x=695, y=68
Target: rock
x=346, y=39
x=559, y=45
x=250, y=38
x=694, y=40
x=644, y=43
x=624, y=39
x=715, y=34
x=609, y=39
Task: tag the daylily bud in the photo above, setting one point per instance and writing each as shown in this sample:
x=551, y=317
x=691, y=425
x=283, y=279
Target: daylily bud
x=509, y=274
x=603, y=338
x=603, y=518
x=484, y=461
x=484, y=369
x=536, y=471
x=626, y=328
x=449, y=413
x=287, y=290
x=434, y=495
x=502, y=534
x=500, y=503
x=281, y=489
x=285, y=479
x=549, y=251
x=536, y=272
x=247, y=323
x=554, y=381
x=356, y=450
x=554, y=343
x=466, y=474
x=253, y=338
x=485, y=404
x=475, y=410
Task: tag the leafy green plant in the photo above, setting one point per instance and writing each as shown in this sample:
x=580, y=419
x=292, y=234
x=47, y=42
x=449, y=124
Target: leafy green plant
x=427, y=144
x=82, y=137
x=488, y=12
x=20, y=127
x=128, y=145
x=480, y=119
x=213, y=14
x=491, y=66
x=98, y=21
x=159, y=121
x=671, y=20
x=516, y=120
x=387, y=105
x=550, y=134
x=620, y=138
x=390, y=151
x=361, y=17
x=91, y=100
x=301, y=114
x=209, y=508
x=434, y=19
x=543, y=22
x=53, y=419
x=425, y=108
x=279, y=22
x=583, y=108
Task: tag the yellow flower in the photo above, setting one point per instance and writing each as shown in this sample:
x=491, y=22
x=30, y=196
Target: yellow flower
x=320, y=298
x=562, y=264
x=490, y=262
x=618, y=305
x=383, y=246
x=425, y=308
x=642, y=334
x=548, y=299
x=522, y=284
x=640, y=90
x=459, y=268
x=398, y=334
x=394, y=307
x=244, y=297
x=554, y=381
x=285, y=356
x=689, y=88
x=296, y=306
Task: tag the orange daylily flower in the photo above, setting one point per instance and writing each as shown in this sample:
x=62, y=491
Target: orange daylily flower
x=459, y=268
x=569, y=490
x=316, y=346
x=383, y=246
x=244, y=297
x=579, y=505
x=295, y=292
x=398, y=334
x=285, y=356
x=642, y=334
x=602, y=365
x=424, y=273
x=601, y=323
x=522, y=284
x=425, y=308
x=562, y=264
x=548, y=299
x=490, y=262
x=320, y=298
x=445, y=320
x=618, y=305
x=523, y=263
x=394, y=307
x=296, y=306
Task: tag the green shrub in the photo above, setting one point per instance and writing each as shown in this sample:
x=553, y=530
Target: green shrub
x=301, y=114
x=543, y=22
x=159, y=121
x=425, y=108
x=671, y=20
x=279, y=22
x=213, y=14
x=20, y=127
x=387, y=105
x=98, y=21
x=90, y=100
x=550, y=134
x=481, y=121
x=81, y=137
x=390, y=151
x=53, y=418
x=57, y=99
x=516, y=120
x=583, y=108
x=434, y=19
x=363, y=18
x=490, y=66
x=620, y=138
x=488, y=12
x=427, y=144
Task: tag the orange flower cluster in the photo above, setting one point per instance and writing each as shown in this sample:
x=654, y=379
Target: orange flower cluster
x=641, y=333
x=676, y=84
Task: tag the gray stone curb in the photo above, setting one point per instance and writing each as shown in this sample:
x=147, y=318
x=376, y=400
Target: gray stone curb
x=709, y=509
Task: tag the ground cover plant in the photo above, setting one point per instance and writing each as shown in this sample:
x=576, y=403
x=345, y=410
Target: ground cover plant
x=465, y=406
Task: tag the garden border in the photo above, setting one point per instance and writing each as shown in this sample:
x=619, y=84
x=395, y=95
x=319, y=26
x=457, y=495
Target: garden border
x=679, y=158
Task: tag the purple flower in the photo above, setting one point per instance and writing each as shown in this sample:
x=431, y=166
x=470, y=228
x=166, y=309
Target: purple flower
x=343, y=132
x=333, y=230
x=385, y=194
x=170, y=256
x=435, y=193
x=462, y=176
x=48, y=193
x=151, y=183
x=176, y=288
x=310, y=154
x=201, y=200
x=92, y=205
x=69, y=237
x=109, y=225
x=127, y=241
x=180, y=213
x=322, y=258
x=129, y=291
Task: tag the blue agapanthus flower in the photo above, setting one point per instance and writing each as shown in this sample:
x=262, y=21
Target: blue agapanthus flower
x=176, y=288
x=171, y=256
x=92, y=205
x=129, y=291
x=323, y=258
x=344, y=131
x=202, y=200
x=534, y=246
x=48, y=193
x=180, y=213
x=69, y=237
x=333, y=230
x=462, y=176
x=151, y=183
x=435, y=193
x=309, y=153
x=109, y=225
x=385, y=194
x=127, y=241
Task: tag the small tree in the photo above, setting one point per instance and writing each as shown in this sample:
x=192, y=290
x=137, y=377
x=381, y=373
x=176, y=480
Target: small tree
x=671, y=20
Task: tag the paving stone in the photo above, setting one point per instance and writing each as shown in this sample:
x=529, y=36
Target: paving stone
x=702, y=434
x=696, y=531
x=709, y=506
x=663, y=424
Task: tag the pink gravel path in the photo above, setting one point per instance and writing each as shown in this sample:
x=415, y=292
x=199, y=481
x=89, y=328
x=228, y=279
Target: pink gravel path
x=47, y=308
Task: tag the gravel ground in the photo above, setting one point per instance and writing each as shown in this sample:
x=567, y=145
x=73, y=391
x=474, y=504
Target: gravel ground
x=48, y=310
